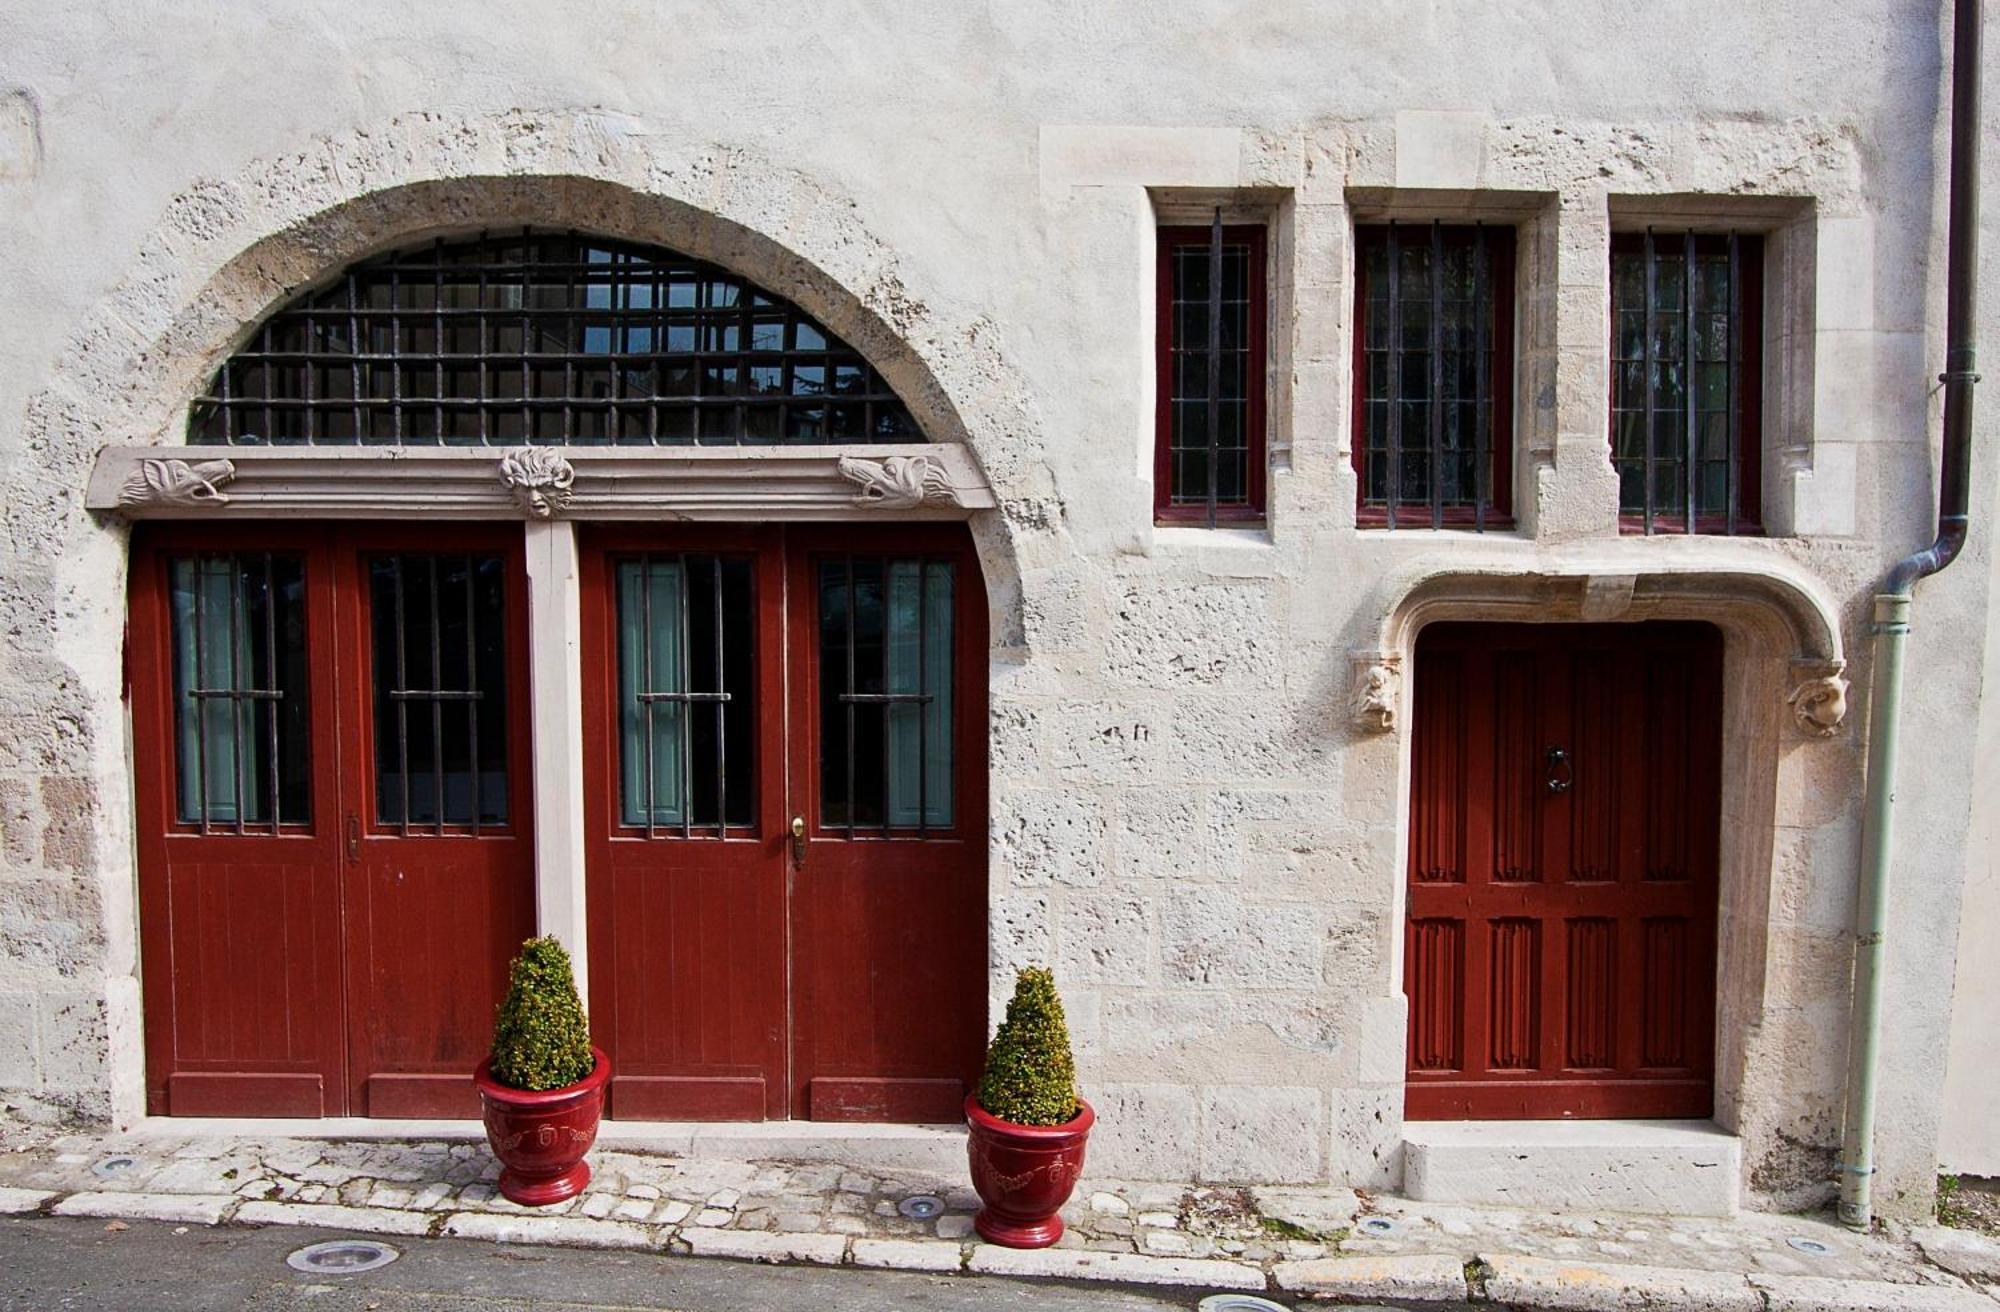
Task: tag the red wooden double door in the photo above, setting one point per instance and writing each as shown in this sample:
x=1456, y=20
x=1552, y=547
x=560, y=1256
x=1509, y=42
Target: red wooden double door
x=335, y=857
x=1564, y=847
x=784, y=738
x=786, y=813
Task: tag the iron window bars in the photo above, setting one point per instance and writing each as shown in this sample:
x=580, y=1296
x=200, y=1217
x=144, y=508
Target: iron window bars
x=885, y=679
x=1209, y=446
x=440, y=691
x=684, y=672
x=545, y=337
x=1687, y=381
x=1433, y=348
x=240, y=713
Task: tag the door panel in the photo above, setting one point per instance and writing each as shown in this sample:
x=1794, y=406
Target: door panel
x=239, y=917
x=687, y=893
x=739, y=975
x=1563, y=870
x=889, y=902
x=301, y=957
x=439, y=890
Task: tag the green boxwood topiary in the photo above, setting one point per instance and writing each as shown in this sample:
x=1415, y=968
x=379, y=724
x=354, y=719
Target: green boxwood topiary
x=540, y=1039
x=1030, y=1072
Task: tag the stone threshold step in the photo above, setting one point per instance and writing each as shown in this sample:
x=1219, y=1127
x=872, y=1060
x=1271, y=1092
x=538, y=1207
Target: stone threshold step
x=1676, y=1168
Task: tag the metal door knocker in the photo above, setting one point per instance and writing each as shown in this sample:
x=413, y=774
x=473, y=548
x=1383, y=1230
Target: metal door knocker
x=1559, y=775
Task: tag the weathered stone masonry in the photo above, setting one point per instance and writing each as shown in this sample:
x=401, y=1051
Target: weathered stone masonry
x=1190, y=819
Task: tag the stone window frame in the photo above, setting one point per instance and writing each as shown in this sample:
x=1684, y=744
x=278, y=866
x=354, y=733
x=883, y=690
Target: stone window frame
x=1788, y=229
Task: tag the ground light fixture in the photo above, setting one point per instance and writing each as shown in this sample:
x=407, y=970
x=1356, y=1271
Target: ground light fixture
x=1810, y=1247
x=1377, y=1225
x=1245, y=1303
x=106, y=1167
x=342, y=1257
x=921, y=1207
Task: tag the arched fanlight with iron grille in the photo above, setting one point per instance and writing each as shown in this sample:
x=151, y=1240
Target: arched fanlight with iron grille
x=537, y=336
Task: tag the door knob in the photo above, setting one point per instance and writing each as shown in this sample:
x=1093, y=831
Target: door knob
x=799, y=842
x=1559, y=772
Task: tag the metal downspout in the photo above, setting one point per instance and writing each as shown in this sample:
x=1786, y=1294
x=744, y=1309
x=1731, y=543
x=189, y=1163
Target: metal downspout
x=1893, y=602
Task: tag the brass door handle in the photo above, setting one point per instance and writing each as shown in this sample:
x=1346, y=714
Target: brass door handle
x=798, y=842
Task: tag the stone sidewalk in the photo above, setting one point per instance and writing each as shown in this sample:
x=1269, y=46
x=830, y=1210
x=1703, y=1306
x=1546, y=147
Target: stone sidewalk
x=1284, y=1243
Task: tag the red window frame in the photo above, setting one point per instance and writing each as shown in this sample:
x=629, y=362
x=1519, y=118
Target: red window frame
x=1749, y=310
x=1500, y=513
x=1252, y=509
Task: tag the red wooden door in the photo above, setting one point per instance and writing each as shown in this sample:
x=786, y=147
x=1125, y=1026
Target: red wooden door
x=738, y=972
x=1563, y=871
x=683, y=730
x=438, y=888
x=302, y=955
x=889, y=775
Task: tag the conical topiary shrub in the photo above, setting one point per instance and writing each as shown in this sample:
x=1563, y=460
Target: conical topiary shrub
x=541, y=1039
x=1030, y=1072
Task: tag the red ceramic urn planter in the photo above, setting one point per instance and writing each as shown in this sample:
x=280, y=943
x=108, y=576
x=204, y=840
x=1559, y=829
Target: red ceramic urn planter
x=1024, y=1174
x=540, y=1138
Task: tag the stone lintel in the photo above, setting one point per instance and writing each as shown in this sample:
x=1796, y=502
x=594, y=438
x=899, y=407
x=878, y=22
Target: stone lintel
x=907, y=481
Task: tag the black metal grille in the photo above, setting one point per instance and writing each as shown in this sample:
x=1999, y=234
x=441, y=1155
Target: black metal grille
x=1684, y=389
x=686, y=705
x=885, y=678
x=1433, y=428
x=240, y=714
x=1213, y=373
x=440, y=691
x=545, y=337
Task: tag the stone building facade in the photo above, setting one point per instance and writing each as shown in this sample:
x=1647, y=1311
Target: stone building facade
x=1198, y=746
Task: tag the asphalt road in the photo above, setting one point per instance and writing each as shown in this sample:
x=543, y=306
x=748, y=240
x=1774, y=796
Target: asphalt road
x=52, y=1264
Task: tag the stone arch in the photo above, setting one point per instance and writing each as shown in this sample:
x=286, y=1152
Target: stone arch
x=226, y=251
x=1784, y=699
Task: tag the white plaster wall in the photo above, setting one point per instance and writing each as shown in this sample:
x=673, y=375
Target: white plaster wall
x=1185, y=821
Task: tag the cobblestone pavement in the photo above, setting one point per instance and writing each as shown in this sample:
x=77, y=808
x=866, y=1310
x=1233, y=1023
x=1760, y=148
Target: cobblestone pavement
x=1324, y=1242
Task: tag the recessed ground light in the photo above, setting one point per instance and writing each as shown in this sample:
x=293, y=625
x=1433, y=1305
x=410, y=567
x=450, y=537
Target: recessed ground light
x=1377, y=1225
x=342, y=1257
x=1816, y=1247
x=921, y=1207
x=1242, y=1303
x=110, y=1166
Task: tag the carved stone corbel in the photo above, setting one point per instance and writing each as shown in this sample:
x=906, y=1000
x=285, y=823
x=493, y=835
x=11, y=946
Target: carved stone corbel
x=540, y=479
x=170, y=482
x=1374, y=689
x=898, y=482
x=1819, y=696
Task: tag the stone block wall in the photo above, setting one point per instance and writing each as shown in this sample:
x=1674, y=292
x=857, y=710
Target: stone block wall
x=1189, y=821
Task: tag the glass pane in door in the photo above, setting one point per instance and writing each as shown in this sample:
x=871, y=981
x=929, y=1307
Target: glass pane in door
x=885, y=660
x=439, y=690
x=685, y=705
x=240, y=723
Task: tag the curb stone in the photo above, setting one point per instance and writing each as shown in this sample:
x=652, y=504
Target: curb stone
x=908, y=1255
x=368, y=1220
x=1424, y=1276
x=1129, y=1268
x=563, y=1231
x=14, y=1202
x=1599, y=1287
x=194, y=1209
x=1822, y=1294
x=767, y=1246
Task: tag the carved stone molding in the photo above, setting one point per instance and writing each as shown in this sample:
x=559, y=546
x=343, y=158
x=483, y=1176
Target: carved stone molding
x=540, y=479
x=1374, y=689
x=928, y=481
x=1819, y=697
x=162, y=483
x=898, y=482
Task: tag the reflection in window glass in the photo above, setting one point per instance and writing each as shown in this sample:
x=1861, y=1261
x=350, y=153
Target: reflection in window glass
x=440, y=689
x=240, y=716
x=885, y=660
x=685, y=700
